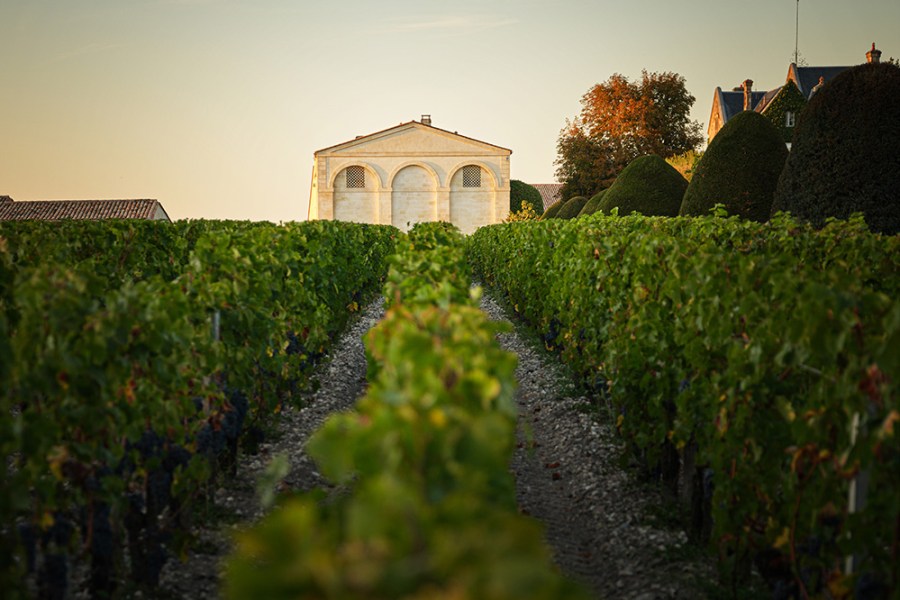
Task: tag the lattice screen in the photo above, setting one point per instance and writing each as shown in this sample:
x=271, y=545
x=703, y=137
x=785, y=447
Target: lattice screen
x=472, y=176
x=356, y=177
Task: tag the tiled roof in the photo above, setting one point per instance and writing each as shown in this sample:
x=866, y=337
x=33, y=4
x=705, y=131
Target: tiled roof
x=55, y=210
x=549, y=192
x=806, y=78
x=766, y=99
x=733, y=101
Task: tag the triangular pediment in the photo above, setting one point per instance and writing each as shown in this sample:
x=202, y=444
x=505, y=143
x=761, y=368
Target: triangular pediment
x=412, y=139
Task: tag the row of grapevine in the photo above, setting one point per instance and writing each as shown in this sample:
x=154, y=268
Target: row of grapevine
x=760, y=359
x=425, y=503
x=132, y=368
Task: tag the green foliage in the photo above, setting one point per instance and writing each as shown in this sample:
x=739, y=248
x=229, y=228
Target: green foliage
x=527, y=213
x=423, y=460
x=739, y=170
x=789, y=99
x=621, y=120
x=648, y=186
x=429, y=267
x=571, y=208
x=844, y=157
x=592, y=205
x=553, y=210
x=685, y=163
x=758, y=343
x=522, y=195
x=114, y=374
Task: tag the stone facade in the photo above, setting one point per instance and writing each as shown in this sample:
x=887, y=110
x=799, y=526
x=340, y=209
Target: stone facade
x=411, y=173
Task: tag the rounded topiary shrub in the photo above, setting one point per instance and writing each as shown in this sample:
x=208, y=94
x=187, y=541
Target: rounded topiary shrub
x=521, y=194
x=551, y=211
x=739, y=169
x=649, y=186
x=592, y=205
x=845, y=157
x=571, y=208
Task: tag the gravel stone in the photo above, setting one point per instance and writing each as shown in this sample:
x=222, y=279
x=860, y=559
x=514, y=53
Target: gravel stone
x=568, y=467
x=569, y=475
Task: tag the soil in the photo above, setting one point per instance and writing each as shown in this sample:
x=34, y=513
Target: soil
x=606, y=528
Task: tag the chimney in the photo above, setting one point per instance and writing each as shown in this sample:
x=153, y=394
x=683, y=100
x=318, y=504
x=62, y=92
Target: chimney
x=426, y=120
x=747, y=86
x=873, y=55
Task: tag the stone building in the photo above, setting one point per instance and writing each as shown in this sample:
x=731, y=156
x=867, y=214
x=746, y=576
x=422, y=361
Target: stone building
x=411, y=173
x=781, y=105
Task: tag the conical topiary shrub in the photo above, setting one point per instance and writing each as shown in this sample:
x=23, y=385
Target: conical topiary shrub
x=551, y=211
x=739, y=169
x=592, y=205
x=571, y=208
x=649, y=186
x=845, y=157
x=521, y=194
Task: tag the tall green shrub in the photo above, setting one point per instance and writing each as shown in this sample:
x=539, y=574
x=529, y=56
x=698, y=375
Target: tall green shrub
x=846, y=152
x=571, y=208
x=649, y=186
x=592, y=205
x=553, y=209
x=522, y=194
x=740, y=169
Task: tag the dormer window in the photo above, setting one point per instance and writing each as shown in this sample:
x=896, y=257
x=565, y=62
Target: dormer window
x=472, y=176
x=789, y=119
x=356, y=177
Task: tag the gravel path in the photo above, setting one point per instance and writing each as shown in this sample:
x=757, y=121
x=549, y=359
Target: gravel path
x=569, y=475
x=568, y=470
x=341, y=380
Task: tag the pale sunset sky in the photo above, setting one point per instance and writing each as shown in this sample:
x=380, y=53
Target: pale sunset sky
x=215, y=107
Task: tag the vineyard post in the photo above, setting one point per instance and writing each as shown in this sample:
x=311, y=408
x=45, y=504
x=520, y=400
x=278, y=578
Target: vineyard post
x=216, y=322
x=859, y=490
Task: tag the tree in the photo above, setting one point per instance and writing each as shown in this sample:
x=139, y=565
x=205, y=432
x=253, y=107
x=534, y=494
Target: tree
x=621, y=120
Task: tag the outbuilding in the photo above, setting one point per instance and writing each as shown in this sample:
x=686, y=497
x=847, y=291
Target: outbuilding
x=411, y=173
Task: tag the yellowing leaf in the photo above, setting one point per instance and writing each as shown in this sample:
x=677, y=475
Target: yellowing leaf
x=437, y=417
x=784, y=539
x=47, y=520
x=56, y=458
x=887, y=428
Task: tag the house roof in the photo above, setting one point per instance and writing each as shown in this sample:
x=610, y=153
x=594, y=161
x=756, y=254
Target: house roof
x=409, y=124
x=732, y=102
x=806, y=78
x=767, y=99
x=549, y=192
x=55, y=210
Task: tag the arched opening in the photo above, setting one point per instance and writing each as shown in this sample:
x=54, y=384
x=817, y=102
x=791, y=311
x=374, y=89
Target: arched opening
x=413, y=197
x=473, y=194
x=355, y=195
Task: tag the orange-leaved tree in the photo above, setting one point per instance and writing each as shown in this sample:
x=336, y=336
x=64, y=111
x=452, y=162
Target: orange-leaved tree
x=621, y=120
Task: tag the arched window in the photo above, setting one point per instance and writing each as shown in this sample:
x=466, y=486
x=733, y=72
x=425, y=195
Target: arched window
x=356, y=177
x=472, y=176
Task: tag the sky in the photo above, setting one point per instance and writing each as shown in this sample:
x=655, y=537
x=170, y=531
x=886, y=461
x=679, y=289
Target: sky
x=215, y=107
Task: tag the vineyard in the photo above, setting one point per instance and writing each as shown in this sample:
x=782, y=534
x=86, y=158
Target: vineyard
x=751, y=368
x=136, y=359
